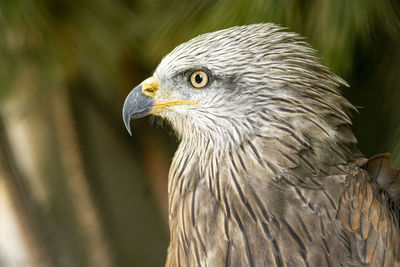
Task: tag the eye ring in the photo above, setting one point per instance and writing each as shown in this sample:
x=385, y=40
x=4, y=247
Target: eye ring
x=198, y=79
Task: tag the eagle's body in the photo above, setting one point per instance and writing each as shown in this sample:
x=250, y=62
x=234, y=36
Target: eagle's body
x=235, y=213
x=267, y=172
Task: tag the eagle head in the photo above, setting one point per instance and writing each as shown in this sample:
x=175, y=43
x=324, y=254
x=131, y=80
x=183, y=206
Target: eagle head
x=229, y=85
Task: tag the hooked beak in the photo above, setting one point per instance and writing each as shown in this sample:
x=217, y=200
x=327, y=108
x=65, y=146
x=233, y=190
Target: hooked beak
x=142, y=101
x=139, y=102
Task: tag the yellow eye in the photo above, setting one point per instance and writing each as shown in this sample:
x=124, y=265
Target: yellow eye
x=199, y=79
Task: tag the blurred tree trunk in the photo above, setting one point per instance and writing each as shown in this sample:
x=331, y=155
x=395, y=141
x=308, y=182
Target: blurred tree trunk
x=26, y=209
x=92, y=230
x=42, y=164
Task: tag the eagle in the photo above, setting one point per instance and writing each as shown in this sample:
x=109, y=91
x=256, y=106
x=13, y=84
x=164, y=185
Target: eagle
x=267, y=172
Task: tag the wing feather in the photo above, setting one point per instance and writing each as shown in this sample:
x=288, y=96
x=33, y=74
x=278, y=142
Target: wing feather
x=368, y=214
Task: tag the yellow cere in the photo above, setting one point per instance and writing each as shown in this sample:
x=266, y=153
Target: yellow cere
x=149, y=86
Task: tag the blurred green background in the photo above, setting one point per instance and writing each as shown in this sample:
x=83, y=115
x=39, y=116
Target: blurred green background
x=75, y=188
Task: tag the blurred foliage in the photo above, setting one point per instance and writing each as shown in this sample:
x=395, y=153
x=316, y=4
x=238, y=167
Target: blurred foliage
x=85, y=56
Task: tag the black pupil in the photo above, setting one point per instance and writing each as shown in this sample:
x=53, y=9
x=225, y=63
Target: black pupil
x=198, y=78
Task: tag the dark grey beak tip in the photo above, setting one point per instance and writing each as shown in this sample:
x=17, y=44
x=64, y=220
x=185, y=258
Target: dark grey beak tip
x=127, y=122
x=127, y=113
x=137, y=105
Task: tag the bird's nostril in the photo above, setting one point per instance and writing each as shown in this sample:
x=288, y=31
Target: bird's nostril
x=149, y=87
x=149, y=91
